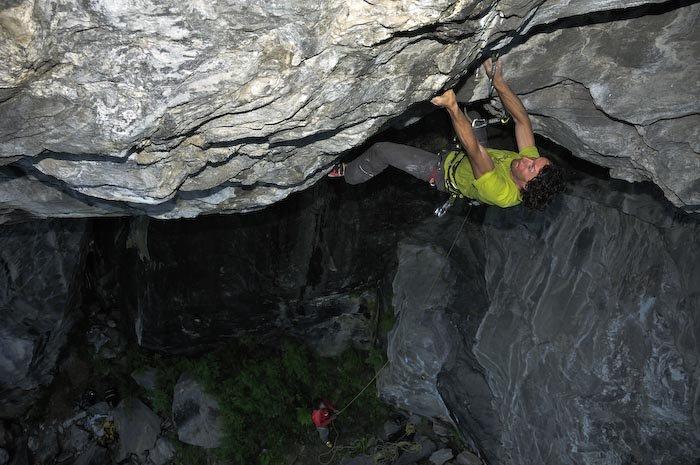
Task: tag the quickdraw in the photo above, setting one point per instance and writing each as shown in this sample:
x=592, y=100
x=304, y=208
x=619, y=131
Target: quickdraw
x=504, y=117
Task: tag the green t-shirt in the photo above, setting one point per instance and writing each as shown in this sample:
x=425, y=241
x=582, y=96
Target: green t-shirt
x=495, y=187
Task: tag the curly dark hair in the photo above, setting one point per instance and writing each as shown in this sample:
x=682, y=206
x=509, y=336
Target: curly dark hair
x=540, y=190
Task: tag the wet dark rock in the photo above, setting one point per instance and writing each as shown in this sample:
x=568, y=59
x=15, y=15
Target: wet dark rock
x=441, y=456
x=578, y=324
x=138, y=429
x=197, y=415
x=291, y=268
x=38, y=266
x=74, y=440
x=43, y=442
x=162, y=453
x=146, y=378
x=93, y=455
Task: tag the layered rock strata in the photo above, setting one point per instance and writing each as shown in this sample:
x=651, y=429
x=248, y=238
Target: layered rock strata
x=175, y=110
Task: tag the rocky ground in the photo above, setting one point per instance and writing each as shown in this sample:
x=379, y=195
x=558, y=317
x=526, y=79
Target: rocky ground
x=101, y=411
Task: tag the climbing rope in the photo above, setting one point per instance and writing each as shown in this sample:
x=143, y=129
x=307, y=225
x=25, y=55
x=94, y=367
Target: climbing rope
x=383, y=452
x=363, y=389
x=449, y=251
x=390, y=450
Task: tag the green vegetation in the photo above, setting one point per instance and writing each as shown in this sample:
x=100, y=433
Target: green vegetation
x=266, y=396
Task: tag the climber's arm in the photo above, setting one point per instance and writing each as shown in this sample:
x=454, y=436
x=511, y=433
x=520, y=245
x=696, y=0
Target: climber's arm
x=478, y=156
x=512, y=104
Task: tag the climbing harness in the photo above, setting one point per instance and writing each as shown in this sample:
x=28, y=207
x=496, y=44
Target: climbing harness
x=451, y=185
x=451, y=168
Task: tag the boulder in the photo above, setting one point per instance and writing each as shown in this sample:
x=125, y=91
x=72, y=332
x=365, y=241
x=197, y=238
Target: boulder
x=93, y=455
x=467, y=458
x=162, y=453
x=146, y=378
x=441, y=456
x=138, y=428
x=197, y=415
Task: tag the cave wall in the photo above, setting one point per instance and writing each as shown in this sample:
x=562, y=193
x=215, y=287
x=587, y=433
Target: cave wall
x=586, y=341
x=39, y=264
x=310, y=266
x=175, y=110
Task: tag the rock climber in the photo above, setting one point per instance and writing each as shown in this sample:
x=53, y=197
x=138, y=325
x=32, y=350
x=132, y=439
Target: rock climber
x=495, y=177
x=322, y=416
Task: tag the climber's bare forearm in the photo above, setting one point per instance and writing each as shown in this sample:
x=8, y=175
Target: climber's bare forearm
x=478, y=157
x=514, y=106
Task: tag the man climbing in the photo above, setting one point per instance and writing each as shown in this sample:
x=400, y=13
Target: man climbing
x=495, y=177
x=323, y=416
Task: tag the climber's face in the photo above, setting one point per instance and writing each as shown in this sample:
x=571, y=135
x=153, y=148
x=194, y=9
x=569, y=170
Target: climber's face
x=523, y=170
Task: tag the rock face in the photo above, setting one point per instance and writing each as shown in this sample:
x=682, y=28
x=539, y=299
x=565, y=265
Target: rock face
x=615, y=92
x=38, y=265
x=174, y=110
x=563, y=337
x=309, y=266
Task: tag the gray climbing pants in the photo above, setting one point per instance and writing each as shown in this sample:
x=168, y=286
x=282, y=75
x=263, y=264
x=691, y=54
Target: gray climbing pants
x=323, y=433
x=417, y=162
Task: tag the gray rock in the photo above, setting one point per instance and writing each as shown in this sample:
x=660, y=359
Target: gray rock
x=390, y=428
x=467, y=458
x=100, y=408
x=441, y=430
x=212, y=116
x=93, y=455
x=43, y=443
x=349, y=328
x=441, y=456
x=577, y=322
x=4, y=457
x=38, y=265
x=146, y=378
x=601, y=102
x=196, y=414
x=427, y=447
x=75, y=439
x=163, y=452
x=138, y=428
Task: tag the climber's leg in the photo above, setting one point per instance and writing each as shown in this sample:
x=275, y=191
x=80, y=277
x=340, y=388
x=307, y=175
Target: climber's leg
x=414, y=161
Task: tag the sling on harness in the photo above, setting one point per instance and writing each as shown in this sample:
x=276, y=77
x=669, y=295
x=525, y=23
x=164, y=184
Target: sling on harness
x=451, y=185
